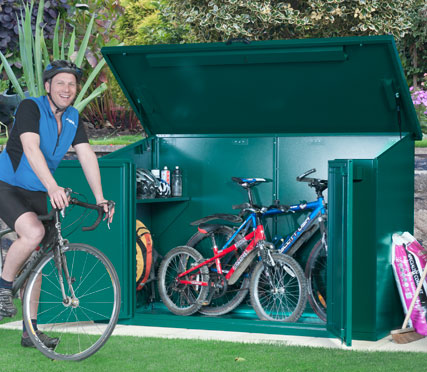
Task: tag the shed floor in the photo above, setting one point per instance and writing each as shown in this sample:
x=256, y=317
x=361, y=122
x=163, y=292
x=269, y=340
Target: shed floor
x=241, y=320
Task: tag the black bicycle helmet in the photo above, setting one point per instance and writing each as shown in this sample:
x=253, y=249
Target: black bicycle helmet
x=149, y=187
x=145, y=184
x=59, y=66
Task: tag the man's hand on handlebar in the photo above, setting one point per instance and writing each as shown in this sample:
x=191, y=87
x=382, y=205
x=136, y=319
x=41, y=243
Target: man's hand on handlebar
x=109, y=210
x=58, y=197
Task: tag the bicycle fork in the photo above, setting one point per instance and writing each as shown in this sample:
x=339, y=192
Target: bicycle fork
x=265, y=249
x=62, y=268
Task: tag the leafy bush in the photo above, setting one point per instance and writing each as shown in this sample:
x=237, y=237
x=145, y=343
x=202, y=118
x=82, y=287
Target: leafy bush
x=34, y=56
x=10, y=9
x=147, y=22
x=218, y=20
x=413, y=47
x=107, y=13
x=105, y=112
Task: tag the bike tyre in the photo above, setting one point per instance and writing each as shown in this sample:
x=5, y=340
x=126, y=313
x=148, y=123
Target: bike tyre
x=226, y=303
x=286, y=306
x=94, y=273
x=315, y=272
x=187, y=299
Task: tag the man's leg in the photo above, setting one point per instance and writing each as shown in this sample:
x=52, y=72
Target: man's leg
x=30, y=232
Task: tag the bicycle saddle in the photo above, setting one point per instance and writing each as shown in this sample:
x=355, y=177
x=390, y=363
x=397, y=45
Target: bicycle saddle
x=218, y=216
x=207, y=228
x=249, y=182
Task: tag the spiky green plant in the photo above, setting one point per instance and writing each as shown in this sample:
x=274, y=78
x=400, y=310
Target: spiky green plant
x=35, y=57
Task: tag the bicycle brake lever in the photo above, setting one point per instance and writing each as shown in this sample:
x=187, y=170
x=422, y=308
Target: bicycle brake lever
x=67, y=191
x=111, y=205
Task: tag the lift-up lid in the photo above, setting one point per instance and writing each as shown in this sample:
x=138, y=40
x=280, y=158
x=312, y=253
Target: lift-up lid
x=336, y=86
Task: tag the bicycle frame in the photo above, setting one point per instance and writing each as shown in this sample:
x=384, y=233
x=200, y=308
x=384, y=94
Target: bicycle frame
x=253, y=237
x=52, y=240
x=318, y=209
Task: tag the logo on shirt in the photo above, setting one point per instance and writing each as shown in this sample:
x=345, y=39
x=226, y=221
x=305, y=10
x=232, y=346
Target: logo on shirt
x=71, y=122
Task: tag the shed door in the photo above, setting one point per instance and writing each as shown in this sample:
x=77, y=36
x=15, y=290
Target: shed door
x=340, y=231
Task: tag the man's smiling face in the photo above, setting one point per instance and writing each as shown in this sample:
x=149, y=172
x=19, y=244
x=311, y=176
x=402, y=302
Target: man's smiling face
x=62, y=89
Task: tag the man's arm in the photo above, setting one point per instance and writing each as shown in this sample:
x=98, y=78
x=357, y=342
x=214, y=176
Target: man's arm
x=31, y=146
x=90, y=167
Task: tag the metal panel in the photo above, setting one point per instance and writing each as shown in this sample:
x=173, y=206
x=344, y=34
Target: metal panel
x=357, y=82
x=395, y=213
x=208, y=165
x=119, y=242
x=364, y=252
x=339, y=281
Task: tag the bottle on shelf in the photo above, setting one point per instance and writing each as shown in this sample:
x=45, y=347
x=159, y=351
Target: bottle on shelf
x=176, y=182
x=165, y=175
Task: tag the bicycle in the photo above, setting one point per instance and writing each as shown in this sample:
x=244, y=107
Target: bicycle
x=315, y=269
x=316, y=266
x=277, y=286
x=80, y=290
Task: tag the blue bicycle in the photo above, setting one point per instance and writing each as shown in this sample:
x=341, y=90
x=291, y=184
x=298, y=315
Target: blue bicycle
x=315, y=270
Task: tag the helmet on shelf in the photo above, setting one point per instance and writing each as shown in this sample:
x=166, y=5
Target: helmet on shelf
x=145, y=184
x=149, y=187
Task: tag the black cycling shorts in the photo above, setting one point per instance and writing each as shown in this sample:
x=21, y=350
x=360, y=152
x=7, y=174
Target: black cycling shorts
x=15, y=201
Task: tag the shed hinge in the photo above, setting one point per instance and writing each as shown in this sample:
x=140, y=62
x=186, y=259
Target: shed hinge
x=399, y=115
x=393, y=99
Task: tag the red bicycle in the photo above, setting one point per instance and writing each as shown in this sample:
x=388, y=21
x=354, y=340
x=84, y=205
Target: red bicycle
x=277, y=286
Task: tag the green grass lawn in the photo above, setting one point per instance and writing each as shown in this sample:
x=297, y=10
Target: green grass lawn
x=117, y=140
x=174, y=355
x=139, y=354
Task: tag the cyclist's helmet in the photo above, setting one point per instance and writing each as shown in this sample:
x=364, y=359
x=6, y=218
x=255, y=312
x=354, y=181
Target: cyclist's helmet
x=59, y=66
x=149, y=187
x=145, y=184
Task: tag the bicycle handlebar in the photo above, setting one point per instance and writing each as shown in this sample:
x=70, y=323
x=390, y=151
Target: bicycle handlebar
x=74, y=201
x=90, y=206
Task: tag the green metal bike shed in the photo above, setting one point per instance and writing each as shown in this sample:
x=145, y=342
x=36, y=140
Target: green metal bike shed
x=273, y=109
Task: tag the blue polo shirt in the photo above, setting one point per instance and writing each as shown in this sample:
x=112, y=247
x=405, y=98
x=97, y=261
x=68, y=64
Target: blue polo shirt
x=35, y=115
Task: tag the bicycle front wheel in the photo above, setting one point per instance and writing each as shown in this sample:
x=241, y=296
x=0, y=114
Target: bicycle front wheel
x=278, y=292
x=84, y=322
x=182, y=298
x=315, y=272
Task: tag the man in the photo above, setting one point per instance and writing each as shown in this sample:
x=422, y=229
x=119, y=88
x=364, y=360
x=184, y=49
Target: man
x=42, y=133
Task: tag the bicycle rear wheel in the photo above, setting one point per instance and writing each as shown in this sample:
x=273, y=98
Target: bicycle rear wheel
x=84, y=324
x=179, y=298
x=226, y=298
x=279, y=293
x=315, y=272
